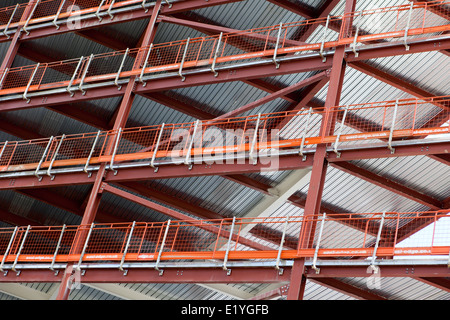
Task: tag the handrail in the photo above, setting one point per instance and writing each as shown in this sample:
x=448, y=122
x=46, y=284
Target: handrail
x=385, y=24
x=217, y=138
x=354, y=235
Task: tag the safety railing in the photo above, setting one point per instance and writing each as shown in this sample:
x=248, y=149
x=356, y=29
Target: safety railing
x=354, y=29
x=272, y=238
x=249, y=136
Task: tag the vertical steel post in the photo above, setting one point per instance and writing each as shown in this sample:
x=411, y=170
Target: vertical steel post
x=319, y=168
x=183, y=59
x=36, y=172
x=161, y=248
x=155, y=150
x=216, y=53
x=54, y=157
x=58, y=245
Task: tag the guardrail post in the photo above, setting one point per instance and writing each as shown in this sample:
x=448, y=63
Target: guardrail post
x=145, y=65
x=155, y=150
x=110, y=8
x=276, y=47
x=97, y=13
x=407, y=26
x=7, y=250
x=120, y=69
x=304, y=134
x=58, y=13
x=277, y=265
x=57, y=247
x=338, y=154
x=91, y=153
x=80, y=86
x=74, y=75
x=3, y=149
x=78, y=267
x=255, y=138
x=374, y=255
x=162, y=248
x=24, y=28
x=119, y=133
x=29, y=82
x=216, y=53
x=126, y=246
x=9, y=22
x=20, y=250
x=187, y=160
x=316, y=252
x=391, y=133
x=36, y=173
x=182, y=60
x=54, y=157
x=325, y=34
x=225, y=259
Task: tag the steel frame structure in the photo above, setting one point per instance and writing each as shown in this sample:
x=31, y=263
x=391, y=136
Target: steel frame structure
x=103, y=175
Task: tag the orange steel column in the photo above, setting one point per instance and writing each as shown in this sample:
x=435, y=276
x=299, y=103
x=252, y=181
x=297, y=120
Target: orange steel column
x=96, y=191
x=319, y=168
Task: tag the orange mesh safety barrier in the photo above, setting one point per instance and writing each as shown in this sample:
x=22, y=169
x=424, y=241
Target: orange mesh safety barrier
x=337, y=235
x=380, y=25
x=252, y=136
